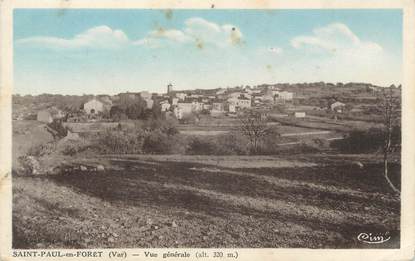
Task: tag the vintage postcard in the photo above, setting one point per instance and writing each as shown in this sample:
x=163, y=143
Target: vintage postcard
x=217, y=130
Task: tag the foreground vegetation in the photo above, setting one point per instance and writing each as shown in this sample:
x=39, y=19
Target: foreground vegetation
x=207, y=201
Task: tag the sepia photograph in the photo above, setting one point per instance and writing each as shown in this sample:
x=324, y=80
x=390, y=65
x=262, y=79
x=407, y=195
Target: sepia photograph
x=207, y=128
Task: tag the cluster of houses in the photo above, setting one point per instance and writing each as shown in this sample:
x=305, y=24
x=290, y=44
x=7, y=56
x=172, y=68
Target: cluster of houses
x=223, y=101
x=180, y=104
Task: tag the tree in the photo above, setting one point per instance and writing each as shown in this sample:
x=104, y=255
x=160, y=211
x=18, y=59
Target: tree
x=254, y=127
x=389, y=105
x=156, y=110
x=167, y=127
x=117, y=114
x=136, y=111
x=133, y=106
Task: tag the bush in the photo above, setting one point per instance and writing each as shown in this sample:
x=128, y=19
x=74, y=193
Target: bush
x=201, y=146
x=119, y=142
x=178, y=144
x=162, y=137
x=152, y=136
x=227, y=144
x=117, y=114
x=269, y=143
x=158, y=142
x=372, y=140
x=75, y=146
x=165, y=126
x=232, y=144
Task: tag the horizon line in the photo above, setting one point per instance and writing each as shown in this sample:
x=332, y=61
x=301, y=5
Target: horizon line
x=228, y=87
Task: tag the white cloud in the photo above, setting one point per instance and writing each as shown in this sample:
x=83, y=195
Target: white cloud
x=155, y=38
x=101, y=37
x=197, y=23
x=198, y=31
x=173, y=35
x=207, y=32
x=335, y=37
x=335, y=53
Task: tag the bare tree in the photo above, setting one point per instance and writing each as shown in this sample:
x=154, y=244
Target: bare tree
x=389, y=104
x=253, y=126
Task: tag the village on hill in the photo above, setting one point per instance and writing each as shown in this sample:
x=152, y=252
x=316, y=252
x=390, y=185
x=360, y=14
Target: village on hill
x=293, y=100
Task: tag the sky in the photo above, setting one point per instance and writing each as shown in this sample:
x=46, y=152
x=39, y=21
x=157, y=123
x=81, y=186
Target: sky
x=97, y=51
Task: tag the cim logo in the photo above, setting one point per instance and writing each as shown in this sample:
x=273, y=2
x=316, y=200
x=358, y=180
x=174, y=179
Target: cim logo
x=370, y=238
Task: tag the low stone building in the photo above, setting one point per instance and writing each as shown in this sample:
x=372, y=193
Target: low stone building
x=96, y=106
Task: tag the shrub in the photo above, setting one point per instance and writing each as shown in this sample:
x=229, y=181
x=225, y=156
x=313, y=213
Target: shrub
x=227, y=144
x=75, y=146
x=165, y=126
x=136, y=110
x=201, y=146
x=269, y=143
x=117, y=114
x=120, y=142
x=359, y=141
x=157, y=142
x=178, y=144
x=152, y=136
x=232, y=144
x=162, y=137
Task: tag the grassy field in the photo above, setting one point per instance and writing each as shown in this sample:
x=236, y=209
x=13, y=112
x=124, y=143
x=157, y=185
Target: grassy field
x=311, y=201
